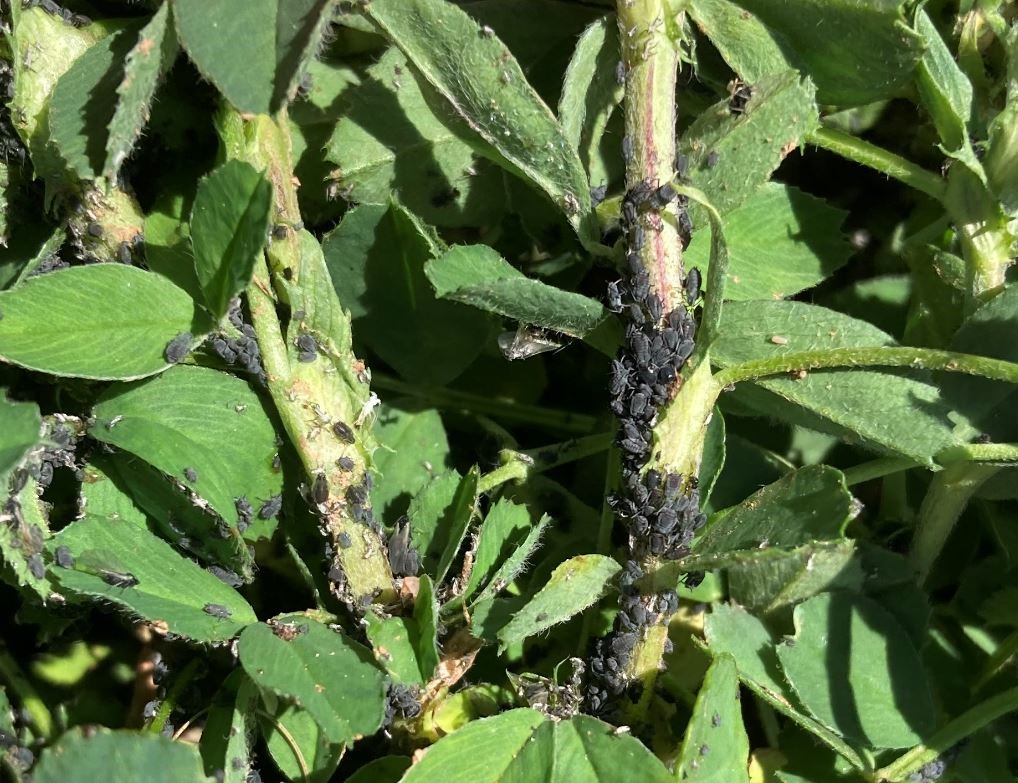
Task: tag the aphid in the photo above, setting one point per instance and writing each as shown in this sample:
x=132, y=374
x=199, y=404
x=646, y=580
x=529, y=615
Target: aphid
x=320, y=489
x=403, y=558
x=344, y=432
x=627, y=149
x=124, y=253
x=663, y=196
x=280, y=231
x=357, y=494
x=620, y=72
x=307, y=347
x=271, y=507
x=692, y=285
x=681, y=165
x=150, y=709
x=525, y=342
x=712, y=158
x=191, y=474
x=178, y=347
x=777, y=339
x=63, y=557
x=224, y=575
x=739, y=95
x=598, y=194
x=345, y=463
x=36, y=566
x=715, y=720
x=116, y=579
x=217, y=610
x=344, y=540
x=94, y=230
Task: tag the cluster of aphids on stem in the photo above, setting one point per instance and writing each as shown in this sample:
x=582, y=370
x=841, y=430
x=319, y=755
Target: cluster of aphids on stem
x=660, y=510
x=242, y=351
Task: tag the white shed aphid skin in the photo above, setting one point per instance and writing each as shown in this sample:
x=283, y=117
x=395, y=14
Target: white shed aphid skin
x=525, y=342
x=370, y=404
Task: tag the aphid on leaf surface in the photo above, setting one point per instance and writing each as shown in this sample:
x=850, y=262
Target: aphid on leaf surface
x=225, y=575
x=217, y=610
x=739, y=94
x=320, y=489
x=344, y=540
x=271, y=507
x=95, y=230
x=344, y=432
x=36, y=566
x=403, y=558
x=191, y=474
x=712, y=158
x=346, y=464
x=307, y=347
x=178, y=347
x=525, y=342
x=63, y=557
x=116, y=579
x=598, y=194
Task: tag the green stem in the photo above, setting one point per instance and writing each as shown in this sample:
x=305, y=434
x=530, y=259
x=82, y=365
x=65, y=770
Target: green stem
x=513, y=468
x=874, y=157
x=965, y=725
x=945, y=500
x=548, y=457
x=916, y=358
x=877, y=468
x=504, y=410
x=21, y=686
x=180, y=682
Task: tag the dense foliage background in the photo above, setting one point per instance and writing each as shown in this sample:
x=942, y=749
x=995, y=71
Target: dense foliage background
x=508, y=390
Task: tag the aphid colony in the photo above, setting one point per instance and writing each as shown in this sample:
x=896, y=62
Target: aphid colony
x=661, y=511
x=242, y=351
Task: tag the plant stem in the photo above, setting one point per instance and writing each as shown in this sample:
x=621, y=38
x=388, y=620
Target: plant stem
x=945, y=500
x=21, y=686
x=874, y=157
x=513, y=468
x=548, y=457
x=180, y=683
x=965, y=725
x=504, y=410
x=877, y=356
x=877, y=468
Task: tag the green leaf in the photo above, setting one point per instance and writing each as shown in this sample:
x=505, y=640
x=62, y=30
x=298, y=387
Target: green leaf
x=590, y=90
x=171, y=592
x=439, y=516
x=101, y=491
x=505, y=527
x=751, y=49
x=780, y=241
x=146, y=63
x=229, y=223
x=943, y=87
x=574, y=585
x=83, y=103
x=377, y=258
x=226, y=739
x=857, y=671
x=522, y=745
x=731, y=629
x=394, y=641
x=731, y=156
x=856, y=51
x=987, y=407
x=329, y=675
x=273, y=41
x=118, y=757
x=52, y=323
x=20, y=428
x=767, y=581
x=478, y=276
x=292, y=730
x=896, y=412
x=715, y=746
x=515, y=563
x=714, y=454
x=481, y=82
x=24, y=529
x=388, y=769
x=810, y=504
x=198, y=419
x=426, y=618
x=37, y=251
x=455, y=521
x=425, y=157
x=413, y=447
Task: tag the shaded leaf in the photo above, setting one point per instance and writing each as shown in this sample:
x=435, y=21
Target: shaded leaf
x=731, y=156
x=20, y=428
x=202, y=420
x=516, y=563
x=292, y=726
x=24, y=529
x=413, y=448
x=751, y=49
x=146, y=63
x=482, y=82
x=390, y=140
x=376, y=258
x=780, y=241
x=715, y=746
x=810, y=504
x=944, y=88
x=269, y=44
x=574, y=585
x=857, y=671
x=443, y=507
x=226, y=738
x=388, y=769
x=713, y=460
x=897, y=412
x=171, y=592
x=522, y=745
x=229, y=223
x=329, y=675
x=426, y=618
x=52, y=323
x=505, y=526
x=88, y=755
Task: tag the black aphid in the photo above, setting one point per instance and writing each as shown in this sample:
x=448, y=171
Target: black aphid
x=403, y=558
x=344, y=432
x=225, y=575
x=692, y=285
x=191, y=474
x=217, y=610
x=36, y=566
x=63, y=557
x=712, y=158
x=320, y=489
x=620, y=72
x=94, y=230
x=271, y=507
x=178, y=347
x=598, y=194
x=116, y=579
x=344, y=540
x=279, y=231
x=307, y=347
x=345, y=463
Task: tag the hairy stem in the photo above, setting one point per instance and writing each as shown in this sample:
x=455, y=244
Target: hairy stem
x=916, y=358
x=874, y=157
